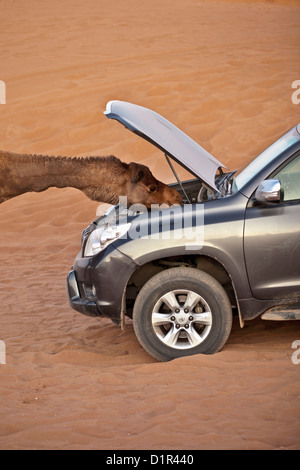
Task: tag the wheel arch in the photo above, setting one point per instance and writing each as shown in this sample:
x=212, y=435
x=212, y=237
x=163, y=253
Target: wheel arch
x=205, y=263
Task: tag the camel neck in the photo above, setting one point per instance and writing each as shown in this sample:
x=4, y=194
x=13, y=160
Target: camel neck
x=21, y=173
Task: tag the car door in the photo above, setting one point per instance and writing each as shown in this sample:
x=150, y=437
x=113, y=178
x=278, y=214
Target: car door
x=272, y=239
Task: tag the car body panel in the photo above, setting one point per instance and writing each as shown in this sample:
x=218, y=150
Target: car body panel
x=220, y=236
x=167, y=137
x=272, y=239
x=223, y=242
x=272, y=251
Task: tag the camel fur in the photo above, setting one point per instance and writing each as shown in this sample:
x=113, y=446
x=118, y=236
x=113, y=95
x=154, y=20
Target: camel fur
x=102, y=179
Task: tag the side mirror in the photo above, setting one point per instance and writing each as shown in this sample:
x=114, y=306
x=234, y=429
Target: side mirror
x=268, y=191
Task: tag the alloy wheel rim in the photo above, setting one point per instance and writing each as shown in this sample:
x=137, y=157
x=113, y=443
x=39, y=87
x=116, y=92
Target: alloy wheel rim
x=181, y=319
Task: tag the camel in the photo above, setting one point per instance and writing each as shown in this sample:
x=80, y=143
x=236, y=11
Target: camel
x=102, y=179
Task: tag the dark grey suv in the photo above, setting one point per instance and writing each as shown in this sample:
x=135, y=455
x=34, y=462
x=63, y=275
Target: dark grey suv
x=181, y=273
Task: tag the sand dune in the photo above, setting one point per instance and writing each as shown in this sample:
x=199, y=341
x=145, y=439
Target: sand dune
x=222, y=72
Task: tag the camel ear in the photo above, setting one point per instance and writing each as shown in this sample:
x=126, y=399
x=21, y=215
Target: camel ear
x=136, y=172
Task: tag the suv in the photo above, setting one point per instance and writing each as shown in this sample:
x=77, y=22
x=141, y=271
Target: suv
x=181, y=273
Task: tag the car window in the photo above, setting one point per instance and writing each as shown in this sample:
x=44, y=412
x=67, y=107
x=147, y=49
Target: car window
x=289, y=178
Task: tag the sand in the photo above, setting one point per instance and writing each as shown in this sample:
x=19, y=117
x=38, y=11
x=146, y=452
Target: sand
x=221, y=71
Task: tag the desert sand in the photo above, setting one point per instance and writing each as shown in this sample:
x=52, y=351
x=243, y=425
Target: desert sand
x=222, y=72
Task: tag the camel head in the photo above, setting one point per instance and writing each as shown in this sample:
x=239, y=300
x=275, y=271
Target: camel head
x=143, y=188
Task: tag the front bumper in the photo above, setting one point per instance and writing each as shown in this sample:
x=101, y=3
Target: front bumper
x=96, y=285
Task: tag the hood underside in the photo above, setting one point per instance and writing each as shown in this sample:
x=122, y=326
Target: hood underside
x=167, y=137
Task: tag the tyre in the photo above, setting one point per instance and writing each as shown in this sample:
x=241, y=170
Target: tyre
x=180, y=312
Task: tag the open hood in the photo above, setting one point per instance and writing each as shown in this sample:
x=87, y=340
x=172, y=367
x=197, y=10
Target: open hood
x=167, y=137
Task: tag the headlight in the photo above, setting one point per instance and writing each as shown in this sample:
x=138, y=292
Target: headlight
x=103, y=236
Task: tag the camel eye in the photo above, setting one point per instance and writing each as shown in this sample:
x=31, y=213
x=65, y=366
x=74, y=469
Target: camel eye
x=152, y=189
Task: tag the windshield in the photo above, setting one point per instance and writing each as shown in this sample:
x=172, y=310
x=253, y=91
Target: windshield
x=244, y=176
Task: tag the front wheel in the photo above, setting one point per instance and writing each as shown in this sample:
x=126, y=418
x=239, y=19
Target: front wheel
x=180, y=312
